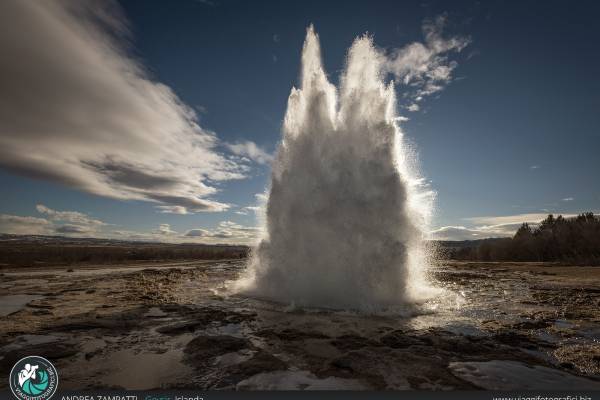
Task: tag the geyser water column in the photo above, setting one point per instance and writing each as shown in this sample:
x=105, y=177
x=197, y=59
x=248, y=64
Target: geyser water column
x=345, y=218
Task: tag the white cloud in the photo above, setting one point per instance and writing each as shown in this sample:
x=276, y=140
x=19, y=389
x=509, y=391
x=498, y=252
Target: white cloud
x=18, y=225
x=425, y=67
x=249, y=209
x=534, y=167
x=68, y=216
x=473, y=233
x=262, y=198
x=250, y=150
x=512, y=219
x=172, y=210
x=197, y=233
x=76, y=109
x=230, y=231
x=70, y=222
x=568, y=199
x=71, y=229
x=455, y=233
x=491, y=226
x=74, y=223
x=413, y=107
x=164, y=229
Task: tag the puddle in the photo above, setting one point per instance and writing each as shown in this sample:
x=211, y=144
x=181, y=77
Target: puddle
x=563, y=324
x=30, y=340
x=12, y=304
x=514, y=375
x=91, y=344
x=155, y=312
x=143, y=371
x=229, y=359
x=297, y=380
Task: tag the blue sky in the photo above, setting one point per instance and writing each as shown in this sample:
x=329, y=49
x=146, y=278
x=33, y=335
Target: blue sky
x=512, y=135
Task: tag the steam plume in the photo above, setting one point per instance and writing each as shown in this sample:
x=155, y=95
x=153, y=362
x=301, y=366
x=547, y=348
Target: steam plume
x=346, y=217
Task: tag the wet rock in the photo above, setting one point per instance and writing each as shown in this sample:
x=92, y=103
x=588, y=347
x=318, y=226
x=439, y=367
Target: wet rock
x=181, y=327
x=353, y=342
x=584, y=358
x=532, y=324
x=259, y=363
x=515, y=339
x=202, y=348
x=41, y=312
x=291, y=334
x=51, y=351
x=359, y=364
x=114, y=324
x=399, y=340
x=38, y=305
x=201, y=318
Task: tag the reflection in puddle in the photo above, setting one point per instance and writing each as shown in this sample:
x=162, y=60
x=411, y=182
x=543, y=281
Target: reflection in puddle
x=14, y=303
x=513, y=375
x=144, y=370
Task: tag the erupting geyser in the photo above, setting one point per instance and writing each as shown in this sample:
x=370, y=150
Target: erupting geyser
x=346, y=215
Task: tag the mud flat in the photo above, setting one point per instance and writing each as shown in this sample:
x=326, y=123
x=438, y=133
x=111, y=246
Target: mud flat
x=173, y=325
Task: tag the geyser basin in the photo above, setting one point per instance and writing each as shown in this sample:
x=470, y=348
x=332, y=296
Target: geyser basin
x=346, y=214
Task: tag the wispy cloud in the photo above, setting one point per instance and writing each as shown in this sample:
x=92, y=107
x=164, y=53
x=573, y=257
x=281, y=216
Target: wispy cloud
x=172, y=210
x=198, y=232
x=490, y=226
x=164, y=229
x=76, y=109
x=74, y=217
x=251, y=151
x=24, y=225
x=70, y=222
x=78, y=224
x=248, y=210
x=568, y=199
x=229, y=230
x=426, y=68
x=71, y=229
x=477, y=232
x=510, y=219
x=455, y=233
x=534, y=167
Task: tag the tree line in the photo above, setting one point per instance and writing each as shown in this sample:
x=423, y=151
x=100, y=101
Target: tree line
x=570, y=240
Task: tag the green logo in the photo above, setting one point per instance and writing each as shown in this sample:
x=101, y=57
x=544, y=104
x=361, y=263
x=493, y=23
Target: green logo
x=33, y=377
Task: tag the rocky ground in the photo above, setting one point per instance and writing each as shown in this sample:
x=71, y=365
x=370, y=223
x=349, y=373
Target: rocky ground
x=171, y=325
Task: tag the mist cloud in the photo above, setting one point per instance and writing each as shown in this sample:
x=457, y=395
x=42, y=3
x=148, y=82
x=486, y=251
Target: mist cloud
x=76, y=109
